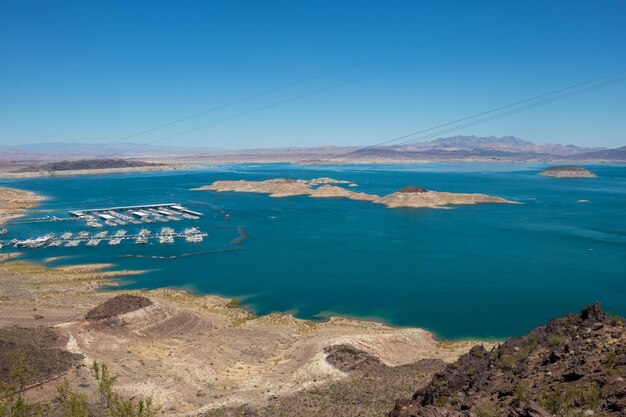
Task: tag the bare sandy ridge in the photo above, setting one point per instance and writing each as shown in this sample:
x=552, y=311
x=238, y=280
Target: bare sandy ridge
x=281, y=187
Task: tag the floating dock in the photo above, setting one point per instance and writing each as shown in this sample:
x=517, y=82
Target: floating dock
x=145, y=213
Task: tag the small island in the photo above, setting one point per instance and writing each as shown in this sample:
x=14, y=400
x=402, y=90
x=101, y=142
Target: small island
x=567, y=171
x=418, y=197
x=411, y=196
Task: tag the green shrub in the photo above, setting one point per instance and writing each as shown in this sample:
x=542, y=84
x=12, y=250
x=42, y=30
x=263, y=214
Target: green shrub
x=233, y=303
x=507, y=361
x=69, y=402
x=522, y=392
x=568, y=399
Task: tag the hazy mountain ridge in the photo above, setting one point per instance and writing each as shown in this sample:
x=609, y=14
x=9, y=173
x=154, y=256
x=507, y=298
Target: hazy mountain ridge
x=505, y=143
x=455, y=148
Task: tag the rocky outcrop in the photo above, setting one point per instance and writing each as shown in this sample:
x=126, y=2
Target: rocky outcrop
x=117, y=306
x=39, y=348
x=412, y=189
x=572, y=366
x=567, y=171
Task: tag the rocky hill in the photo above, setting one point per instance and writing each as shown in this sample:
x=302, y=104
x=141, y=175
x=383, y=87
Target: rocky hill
x=573, y=366
x=86, y=164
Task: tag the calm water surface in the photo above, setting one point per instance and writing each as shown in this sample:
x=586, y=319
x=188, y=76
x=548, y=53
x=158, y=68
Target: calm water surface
x=469, y=271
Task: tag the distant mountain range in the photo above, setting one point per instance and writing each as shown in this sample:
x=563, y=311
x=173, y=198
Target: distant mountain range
x=506, y=148
x=456, y=148
x=506, y=143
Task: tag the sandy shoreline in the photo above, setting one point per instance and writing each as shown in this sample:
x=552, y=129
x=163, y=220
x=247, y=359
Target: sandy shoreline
x=14, y=203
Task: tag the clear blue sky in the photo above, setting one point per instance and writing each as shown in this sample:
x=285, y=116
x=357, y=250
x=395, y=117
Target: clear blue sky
x=96, y=71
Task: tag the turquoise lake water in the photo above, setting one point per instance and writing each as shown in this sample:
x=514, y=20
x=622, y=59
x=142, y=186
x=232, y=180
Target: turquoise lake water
x=469, y=271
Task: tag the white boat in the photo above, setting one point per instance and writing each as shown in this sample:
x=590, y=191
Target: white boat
x=83, y=234
x=55, y=243
x=144, y=232
x=191, y=230
x=3, y=232
x=94, y=242
x=115, y=241
x=66, y=235
x=111, y=223
x=194, y=238
x=94, y=224
x=120, y=233
x=166, y=239
x=167, y=231
x=100, y=235
x=72, y=243
x=141, y=240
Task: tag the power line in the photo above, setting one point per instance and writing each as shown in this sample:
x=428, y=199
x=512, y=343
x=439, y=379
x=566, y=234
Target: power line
x=308, y=94
x=306, y=80
x=565, y=93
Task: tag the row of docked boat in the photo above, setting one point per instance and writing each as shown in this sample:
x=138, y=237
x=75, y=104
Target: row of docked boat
x=166, y=235
x=115, y=218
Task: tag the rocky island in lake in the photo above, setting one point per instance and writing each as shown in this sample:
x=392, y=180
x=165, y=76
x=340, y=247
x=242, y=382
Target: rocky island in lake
x=411, y=196
x=567, y=171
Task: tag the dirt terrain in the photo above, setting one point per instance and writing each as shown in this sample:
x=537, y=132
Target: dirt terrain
x=13, y=203
x=198, y=354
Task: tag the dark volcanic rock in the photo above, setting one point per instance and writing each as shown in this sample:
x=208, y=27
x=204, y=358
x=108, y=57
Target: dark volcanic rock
x=40, y=348
x=413, y=189
x=571, y=366
x=87, y=164
x=351, y=360
x=118, y=305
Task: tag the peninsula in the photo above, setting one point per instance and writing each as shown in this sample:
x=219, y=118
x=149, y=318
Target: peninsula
x=14, y=203
x=411, y=196
x=567, y=171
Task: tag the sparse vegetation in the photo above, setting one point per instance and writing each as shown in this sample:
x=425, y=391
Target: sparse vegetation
x=106, y=402
x=12, y=401
x=571, y=400
x=233, y=303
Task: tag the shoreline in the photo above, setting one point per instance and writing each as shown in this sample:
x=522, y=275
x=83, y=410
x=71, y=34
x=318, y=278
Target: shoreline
x=249, y=356
x=14, y=203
